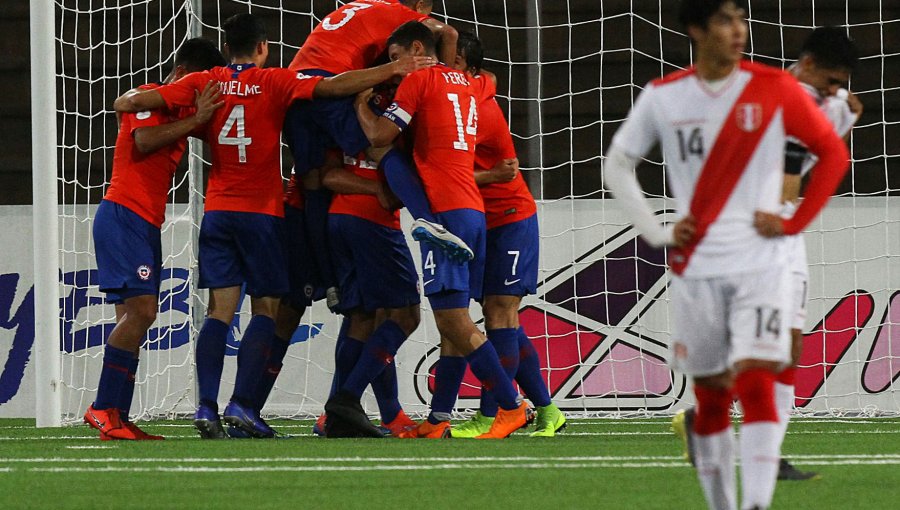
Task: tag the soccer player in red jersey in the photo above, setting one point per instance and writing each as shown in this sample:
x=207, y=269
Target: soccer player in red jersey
x=379, y=293
x=127, y=234
x=241, y=237
x=511, y=267
x=439, y=106
x=722, y=124
x=352, y=37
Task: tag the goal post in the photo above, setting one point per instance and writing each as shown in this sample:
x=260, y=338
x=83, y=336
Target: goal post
x=568, y=73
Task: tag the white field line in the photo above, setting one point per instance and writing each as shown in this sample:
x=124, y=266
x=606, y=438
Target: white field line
x=87, y=447
x=419, y=467
x=476, y=460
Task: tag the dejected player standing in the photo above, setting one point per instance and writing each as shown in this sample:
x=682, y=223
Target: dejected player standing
x=127, y=234
x=440, y=108
x=722, y=125
x=241, y=237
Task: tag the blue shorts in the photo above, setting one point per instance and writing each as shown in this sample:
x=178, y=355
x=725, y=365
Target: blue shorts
x=313, y=127
x=301, y=264
x=511, y=264
x=447, y=283
x=242, y=247
x=372, y=263
x=129, y=253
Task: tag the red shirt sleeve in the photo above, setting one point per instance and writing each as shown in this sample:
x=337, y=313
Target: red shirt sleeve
x=295, y=85
x=182, y=92
x=804, y=121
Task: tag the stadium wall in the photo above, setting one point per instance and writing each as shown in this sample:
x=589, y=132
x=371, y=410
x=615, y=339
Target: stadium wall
x=600, y=323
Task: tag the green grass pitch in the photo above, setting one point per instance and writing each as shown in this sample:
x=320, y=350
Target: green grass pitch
x=596, y=463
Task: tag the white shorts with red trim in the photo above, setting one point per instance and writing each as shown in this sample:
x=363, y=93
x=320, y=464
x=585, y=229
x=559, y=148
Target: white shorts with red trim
x=721, y=320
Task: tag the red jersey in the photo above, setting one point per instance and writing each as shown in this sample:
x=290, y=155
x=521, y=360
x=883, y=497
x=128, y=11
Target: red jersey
x=141, y=182
x=504, y=202
x=353, y=37
x=444, y=105
x=366, y=207
x=245, y=134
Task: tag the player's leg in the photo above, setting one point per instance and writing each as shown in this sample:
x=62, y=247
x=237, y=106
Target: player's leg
x=784, y=382
x=220, y=272
x=377, y=275
x=759, y=325
x=129, y=262
x=260, y=243
x=448, y=376
x=700, y=349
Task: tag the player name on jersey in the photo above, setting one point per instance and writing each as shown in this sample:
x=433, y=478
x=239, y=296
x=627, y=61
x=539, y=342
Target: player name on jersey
x=236, y=88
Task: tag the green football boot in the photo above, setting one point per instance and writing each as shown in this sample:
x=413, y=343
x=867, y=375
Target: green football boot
x=477, y=425
x=549, y=421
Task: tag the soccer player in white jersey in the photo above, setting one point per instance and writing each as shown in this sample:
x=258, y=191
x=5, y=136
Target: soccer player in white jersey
x=722, y=125
x=823, y=68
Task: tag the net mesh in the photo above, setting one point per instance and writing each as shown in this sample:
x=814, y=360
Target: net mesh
x=568, y=73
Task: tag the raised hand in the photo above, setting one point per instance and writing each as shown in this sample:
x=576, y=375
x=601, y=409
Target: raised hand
x=409, y=63
x=208, y=101
x=684, y=231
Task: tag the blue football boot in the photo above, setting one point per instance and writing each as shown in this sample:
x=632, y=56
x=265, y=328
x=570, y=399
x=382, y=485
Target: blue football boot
x=247, y=420
x=207, y=422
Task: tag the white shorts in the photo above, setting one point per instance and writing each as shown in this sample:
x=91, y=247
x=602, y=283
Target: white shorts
x=719, y=321
x=799, y=278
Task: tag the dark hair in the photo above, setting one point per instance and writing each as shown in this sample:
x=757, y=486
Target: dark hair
x=242, y=33
x=410, y=32
x=831, y=48
x=468, y=46
x=198, y=54
x=411, y=3
x=697, y=12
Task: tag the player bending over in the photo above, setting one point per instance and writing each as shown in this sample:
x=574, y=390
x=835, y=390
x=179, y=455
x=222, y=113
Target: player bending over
x=127, y=234
x=511, y=265
x=826, y=60
x=443, y=104
x=723, y=124
x=242, y=236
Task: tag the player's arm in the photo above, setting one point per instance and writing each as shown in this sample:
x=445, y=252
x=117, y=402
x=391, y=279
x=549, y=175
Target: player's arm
x=136, y=100
x=446, y=37
x=504, y=171
x=151, y=138
x=352, y=82
x=345, y=182
x=804, y=121
x=618, y=175
x=380, y=131
x=181, y=93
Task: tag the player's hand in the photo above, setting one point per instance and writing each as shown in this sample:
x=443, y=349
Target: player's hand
x=684, y=231
x=363, y=97
x=506, y=170
x=208, y=102
x=854, y=103
x=768, y=224
x=409, y=63
x=387, y=199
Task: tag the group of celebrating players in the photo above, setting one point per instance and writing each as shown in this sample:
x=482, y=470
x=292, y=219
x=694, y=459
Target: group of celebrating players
x=335, y=233
x=736, y=136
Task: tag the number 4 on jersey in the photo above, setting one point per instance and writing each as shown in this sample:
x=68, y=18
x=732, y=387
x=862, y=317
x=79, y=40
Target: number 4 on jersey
x=236, y=120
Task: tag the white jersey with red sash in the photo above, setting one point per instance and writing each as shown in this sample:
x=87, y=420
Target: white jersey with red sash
x=724, y=155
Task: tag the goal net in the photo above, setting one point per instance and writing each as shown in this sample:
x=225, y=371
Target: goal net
x=568, y=72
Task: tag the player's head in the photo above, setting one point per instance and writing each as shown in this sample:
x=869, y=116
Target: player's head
x=411, y=38
x=246, y=38
x=196, y=54
x=826, y=60
x=469, y=53
x=420, y=6
x=717, y=28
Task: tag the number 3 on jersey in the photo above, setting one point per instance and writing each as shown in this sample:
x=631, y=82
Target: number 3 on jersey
x=236, y=120
x=471, y=122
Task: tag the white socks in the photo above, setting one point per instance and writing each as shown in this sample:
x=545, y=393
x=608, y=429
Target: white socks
x=760, y=454
x=784, y=403
x=714, y=455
